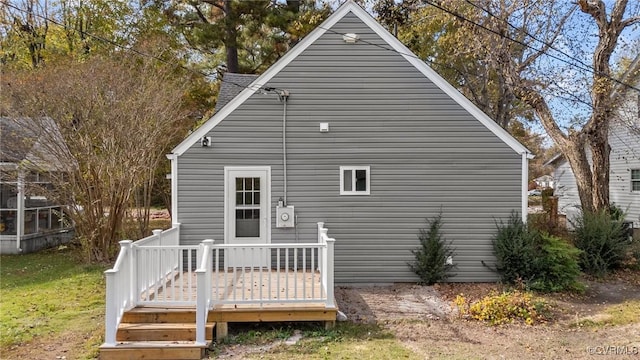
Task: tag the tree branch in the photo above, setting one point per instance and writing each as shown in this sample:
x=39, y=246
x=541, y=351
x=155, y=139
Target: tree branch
x=630, y=21
x=549, y=43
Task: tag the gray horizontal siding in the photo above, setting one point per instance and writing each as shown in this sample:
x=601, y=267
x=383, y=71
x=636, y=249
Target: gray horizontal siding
x=425, y=151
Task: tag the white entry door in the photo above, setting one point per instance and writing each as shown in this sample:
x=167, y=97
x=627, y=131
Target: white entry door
x=247, y=215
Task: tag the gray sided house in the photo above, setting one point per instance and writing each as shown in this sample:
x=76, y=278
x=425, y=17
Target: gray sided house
x=351, y=129
x=29, y=219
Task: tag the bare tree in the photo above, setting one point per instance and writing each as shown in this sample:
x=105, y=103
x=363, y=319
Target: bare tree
x=117, y=117
x=550, y=71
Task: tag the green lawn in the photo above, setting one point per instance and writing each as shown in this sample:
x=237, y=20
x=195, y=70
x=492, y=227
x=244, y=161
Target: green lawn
x=49, y=293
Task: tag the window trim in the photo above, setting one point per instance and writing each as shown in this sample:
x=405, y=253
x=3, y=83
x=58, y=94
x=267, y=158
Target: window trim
x=633, y=181
x=353, y=180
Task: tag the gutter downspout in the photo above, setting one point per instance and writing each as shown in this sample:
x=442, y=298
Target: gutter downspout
x=20, y=211
x=283, y=96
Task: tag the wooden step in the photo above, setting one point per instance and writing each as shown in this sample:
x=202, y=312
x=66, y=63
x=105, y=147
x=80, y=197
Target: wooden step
x=161, y=331
x=160, y=350
x=159, y=315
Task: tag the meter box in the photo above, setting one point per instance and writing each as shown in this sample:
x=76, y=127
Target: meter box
x=285, y=217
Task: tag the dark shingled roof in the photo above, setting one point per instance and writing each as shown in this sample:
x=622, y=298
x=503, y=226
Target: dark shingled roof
x=232, y=85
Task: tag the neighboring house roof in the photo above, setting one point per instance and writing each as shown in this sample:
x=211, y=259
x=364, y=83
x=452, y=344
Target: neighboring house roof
x=25, y=139
x=232, y=85
x=394, y=44
x=555, y=158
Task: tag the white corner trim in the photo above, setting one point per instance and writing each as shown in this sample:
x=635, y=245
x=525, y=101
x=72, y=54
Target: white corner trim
x=174, y=187
x=525, y=187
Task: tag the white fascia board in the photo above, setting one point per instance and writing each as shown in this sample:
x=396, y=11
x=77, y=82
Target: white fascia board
x=395, y=44
x=264, y=78
x=428, y=72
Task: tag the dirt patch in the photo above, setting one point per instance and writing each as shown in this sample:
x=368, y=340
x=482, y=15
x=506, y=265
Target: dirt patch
x=425, y=320
x=385, y=303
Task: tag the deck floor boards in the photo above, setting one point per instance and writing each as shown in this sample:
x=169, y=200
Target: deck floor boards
x=243, y=286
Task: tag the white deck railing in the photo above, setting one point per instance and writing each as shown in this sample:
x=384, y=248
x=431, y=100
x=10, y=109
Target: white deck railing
x=119, y=291
x=157, y=270
x=130, y=278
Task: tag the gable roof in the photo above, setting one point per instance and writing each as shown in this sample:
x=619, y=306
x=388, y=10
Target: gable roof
x=24, y=139
x=395, y=44
x=232, y=85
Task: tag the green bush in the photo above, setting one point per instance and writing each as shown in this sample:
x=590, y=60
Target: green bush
x=514, y=247
x=603, y=241
x=556, y=265
x=539, y=261
x=431, y=258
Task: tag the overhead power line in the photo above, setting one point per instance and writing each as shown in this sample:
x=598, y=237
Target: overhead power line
x=138, y=52
x=261, y=87
x=584, y=67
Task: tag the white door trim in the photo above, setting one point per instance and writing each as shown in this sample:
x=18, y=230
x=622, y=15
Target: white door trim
x=227, y=205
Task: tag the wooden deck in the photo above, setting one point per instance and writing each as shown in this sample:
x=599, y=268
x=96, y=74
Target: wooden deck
x=246, y=287
x=245, y=295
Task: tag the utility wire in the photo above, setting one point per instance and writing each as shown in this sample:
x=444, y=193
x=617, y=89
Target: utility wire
x=138, y=52
x=587, y=68
x=261, y=87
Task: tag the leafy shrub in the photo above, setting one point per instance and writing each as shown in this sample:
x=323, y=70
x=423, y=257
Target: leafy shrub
x=514, y=247
x=556, y=265
x=431, y=258
x=504, y=308
x=539, y=261
x=603, y=241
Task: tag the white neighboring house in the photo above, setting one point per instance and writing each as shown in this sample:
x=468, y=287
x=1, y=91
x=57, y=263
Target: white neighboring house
x=624, y=180
x=545, y=181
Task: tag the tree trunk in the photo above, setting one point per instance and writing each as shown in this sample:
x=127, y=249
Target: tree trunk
x=577, y=157
x=231, y=38
x=598, y=141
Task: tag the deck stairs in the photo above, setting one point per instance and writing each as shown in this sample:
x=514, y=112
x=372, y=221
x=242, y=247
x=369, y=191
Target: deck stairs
x=158, y=333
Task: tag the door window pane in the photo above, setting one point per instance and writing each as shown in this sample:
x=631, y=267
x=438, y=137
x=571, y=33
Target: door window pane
x=247, y=219
x=248, y=223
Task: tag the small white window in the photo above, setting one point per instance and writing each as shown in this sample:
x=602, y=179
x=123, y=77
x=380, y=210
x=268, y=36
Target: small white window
x=635, y=180
x=354, y=180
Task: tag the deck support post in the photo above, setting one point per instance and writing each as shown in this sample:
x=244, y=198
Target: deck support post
x=222, y=331
x=328, y=325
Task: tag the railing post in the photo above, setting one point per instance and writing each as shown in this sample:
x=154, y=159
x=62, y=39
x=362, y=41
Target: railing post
x=320, y=227
x=133, y=270
x=113, y=302
x=329, y=271
x=158, y=233
x=111, y=309
x=177, y=226
x=203, y=290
